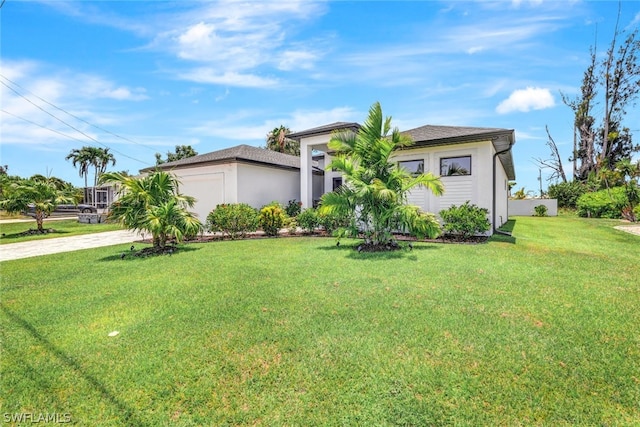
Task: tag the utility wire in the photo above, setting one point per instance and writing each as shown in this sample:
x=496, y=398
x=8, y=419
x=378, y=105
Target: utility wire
x=71, y=126
x=74, y=116
x=42, y=126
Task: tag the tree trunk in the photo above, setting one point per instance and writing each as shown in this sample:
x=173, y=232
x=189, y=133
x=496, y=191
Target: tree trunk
x=40, y=220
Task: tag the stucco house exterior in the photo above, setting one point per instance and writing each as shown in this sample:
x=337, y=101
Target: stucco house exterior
x=241, y=174
x=474, y=163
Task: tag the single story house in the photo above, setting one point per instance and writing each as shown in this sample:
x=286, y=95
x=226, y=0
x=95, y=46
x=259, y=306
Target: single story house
x=475, y=164
x=241, y=174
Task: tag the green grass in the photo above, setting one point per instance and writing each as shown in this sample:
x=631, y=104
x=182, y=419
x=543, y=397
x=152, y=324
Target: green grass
x=539, y=329
x=10, y=232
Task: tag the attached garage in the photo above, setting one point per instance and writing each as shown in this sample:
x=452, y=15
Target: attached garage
x=241, y=174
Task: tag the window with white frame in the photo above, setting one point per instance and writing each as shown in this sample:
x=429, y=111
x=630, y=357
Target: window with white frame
x=455, y=166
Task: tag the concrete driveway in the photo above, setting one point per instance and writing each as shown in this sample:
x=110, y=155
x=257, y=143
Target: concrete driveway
x=33, y=248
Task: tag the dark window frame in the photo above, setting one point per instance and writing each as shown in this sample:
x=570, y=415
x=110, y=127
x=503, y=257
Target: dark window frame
x=447, y=174
x=400, y=162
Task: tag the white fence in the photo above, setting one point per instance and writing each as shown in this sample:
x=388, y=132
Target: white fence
x=526, y=207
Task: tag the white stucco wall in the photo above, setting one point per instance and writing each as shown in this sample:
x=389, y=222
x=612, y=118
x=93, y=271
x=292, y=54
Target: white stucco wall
x=477, y=188
x=259, y=185
x=526, y=207
x=210, y=185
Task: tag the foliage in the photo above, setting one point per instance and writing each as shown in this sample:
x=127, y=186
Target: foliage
x=153, y=204
x=234, y=220
x=540, y=210
x=271, y=219
x=602, y=204
x=42, y=193
x=375, y=188
x=567, y=193
x=617, y=76
x=88, y=156
x=334, y=221
x=182, y=152
x=631, y=174
x=521, y=194
x=277, y=140
x=466, y=220
x=293, y=208
x=308, y=220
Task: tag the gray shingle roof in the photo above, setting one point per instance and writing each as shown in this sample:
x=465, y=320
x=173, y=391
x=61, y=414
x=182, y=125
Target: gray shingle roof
x=324, y=129
x=502, y=140
x=431, y=133
x=239, y=152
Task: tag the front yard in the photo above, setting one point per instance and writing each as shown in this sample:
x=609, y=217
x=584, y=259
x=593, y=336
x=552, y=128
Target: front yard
x=542, y=328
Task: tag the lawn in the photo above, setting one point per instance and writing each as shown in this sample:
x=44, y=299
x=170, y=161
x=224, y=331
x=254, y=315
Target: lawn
x=539, y=329
x=11, y=232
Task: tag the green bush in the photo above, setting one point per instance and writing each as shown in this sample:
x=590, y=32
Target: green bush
x=603, y=203
x=540, y=210
x=308, y=220
x=234, y=220
x=293, y=208
x=465, y=220
x=567, y=193
x=271, y=219
x=333, y=221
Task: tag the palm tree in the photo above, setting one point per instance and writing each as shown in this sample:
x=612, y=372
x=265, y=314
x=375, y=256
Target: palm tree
x=38, y=192
x=153, y=204
x=277, y=140
x=376, y=189
x=81, y=157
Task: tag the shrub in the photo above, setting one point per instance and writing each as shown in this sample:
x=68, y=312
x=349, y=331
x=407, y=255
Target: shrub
x=540, y=210
x=333, y=221
x=465, y=220
x=293, y=208
x=271, y=219
x=603, y=203
x=308, y=220
x=567, y=193
x=234, y=220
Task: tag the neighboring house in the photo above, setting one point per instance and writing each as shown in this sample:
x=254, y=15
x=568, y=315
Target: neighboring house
x=241, y=174
x=475, y=164
x=104, y=196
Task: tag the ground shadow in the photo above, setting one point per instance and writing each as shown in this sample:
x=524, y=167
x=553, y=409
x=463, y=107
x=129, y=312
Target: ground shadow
x=129, y=255
x=32, y=232
x=507, y=227
x=129, y=416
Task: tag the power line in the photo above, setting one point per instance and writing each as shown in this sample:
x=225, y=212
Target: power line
x=42, y=126
x=71, y=126
x=74, y=116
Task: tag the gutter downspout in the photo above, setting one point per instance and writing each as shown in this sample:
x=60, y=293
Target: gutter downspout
x=493, y=212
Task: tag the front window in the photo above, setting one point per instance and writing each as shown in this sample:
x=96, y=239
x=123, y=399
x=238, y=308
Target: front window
x=455, y=166
x=414, y=167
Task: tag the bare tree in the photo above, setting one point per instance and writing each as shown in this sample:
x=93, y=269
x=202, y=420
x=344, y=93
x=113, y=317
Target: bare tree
x=555, y=162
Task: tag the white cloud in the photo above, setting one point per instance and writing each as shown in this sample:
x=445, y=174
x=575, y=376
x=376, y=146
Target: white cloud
x=531, y=98
x=229, y=78
x=248, y=126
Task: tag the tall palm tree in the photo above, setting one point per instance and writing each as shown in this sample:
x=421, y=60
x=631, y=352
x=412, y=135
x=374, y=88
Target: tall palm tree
x=277, y=140
x=81, y=158
x=376, y=189
x=153, y=204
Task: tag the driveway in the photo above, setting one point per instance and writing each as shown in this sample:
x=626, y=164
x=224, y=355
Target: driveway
x=33, y=248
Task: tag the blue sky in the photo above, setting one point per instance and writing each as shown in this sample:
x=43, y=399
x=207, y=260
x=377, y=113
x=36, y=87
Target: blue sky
x=141, y=77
